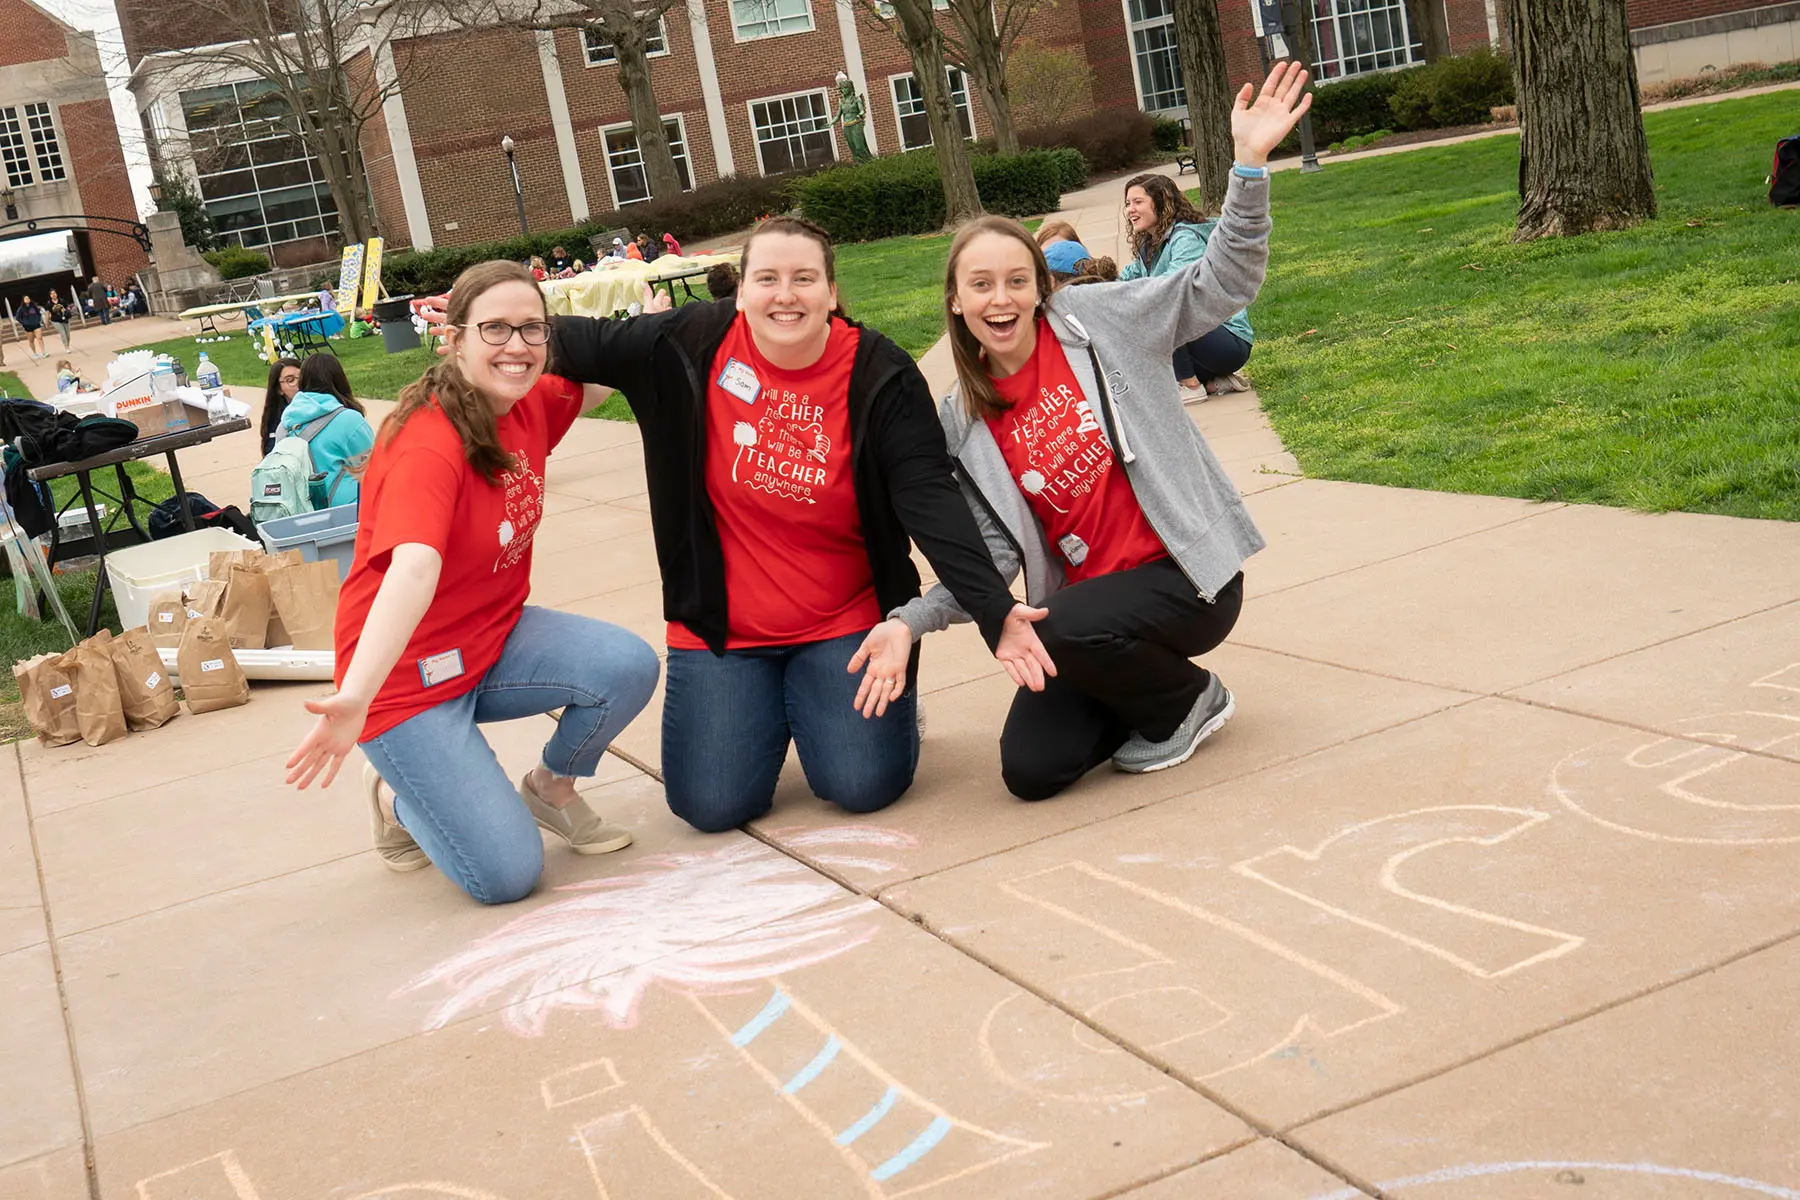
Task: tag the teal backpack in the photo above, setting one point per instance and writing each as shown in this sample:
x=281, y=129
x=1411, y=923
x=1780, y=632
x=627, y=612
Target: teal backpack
x=280, y=483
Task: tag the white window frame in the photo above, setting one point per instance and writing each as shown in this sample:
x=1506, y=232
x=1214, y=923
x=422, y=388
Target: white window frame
x=18, y=143
x=1340, y=11
x=1132, y=29
x=830, y=129
x=738, y=35
x=964, y=106
x=587, y=50
x=680, y=122
x=46, y=124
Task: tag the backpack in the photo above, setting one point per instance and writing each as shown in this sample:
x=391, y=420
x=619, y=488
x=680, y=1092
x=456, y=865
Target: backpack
x=165, y=518
x=281, y=484
x=1784, y=177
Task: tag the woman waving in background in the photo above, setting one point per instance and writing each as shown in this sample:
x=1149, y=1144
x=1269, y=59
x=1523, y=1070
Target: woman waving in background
x=1085, y=472
x=791, y=455
x=434, y=637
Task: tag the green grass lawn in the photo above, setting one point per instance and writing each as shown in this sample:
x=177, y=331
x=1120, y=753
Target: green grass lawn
x=1404, y=340
x=11, y=385
x=896, y=285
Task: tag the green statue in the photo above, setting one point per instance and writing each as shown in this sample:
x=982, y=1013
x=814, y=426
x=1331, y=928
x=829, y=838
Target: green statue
x=852, y=115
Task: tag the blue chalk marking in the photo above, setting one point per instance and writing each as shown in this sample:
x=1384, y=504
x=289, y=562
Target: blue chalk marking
x=811, y=1070
x=771, y=1012
x=871, y=1118
x=921, y=1146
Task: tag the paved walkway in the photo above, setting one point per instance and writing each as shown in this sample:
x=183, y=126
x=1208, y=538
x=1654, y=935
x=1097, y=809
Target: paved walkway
x=1488, y=891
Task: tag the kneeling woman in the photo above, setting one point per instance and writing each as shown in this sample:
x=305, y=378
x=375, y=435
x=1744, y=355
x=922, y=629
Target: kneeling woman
x=433, y=633
x=1085, y=471
x=790, y=455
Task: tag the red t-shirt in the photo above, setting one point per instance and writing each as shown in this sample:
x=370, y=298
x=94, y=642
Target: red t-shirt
x=778, y=475
x=1059, y=457
x=419, y=487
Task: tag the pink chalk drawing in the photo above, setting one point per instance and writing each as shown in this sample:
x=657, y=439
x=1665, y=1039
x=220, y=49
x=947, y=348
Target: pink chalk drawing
x=696, y=923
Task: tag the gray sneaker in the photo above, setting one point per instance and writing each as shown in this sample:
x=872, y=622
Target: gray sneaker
x=395, y=846
x=1207, y=717
x=586, y=831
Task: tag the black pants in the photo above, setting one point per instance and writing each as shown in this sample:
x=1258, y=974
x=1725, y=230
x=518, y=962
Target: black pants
x=1212, y=355
x=1121, y=645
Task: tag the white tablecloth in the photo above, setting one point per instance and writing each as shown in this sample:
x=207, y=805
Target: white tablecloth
x=606, y=289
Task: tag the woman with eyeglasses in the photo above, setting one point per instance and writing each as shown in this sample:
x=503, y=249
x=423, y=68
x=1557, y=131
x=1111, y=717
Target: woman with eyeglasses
x=434, y=636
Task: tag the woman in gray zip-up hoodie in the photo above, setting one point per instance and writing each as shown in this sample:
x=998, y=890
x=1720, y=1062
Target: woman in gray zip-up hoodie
x=1085, y=472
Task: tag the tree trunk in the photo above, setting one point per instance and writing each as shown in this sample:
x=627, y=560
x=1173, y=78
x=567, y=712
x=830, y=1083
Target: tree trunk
x=1208, y=85
x=925, y=45
x=628, y=35
x=1584, y=164
x=986, y=65
x=1430, y=27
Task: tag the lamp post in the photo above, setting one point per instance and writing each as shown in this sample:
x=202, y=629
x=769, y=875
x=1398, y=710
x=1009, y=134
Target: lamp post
x=155, y=190
x=10, y=198
x=1274, y=46
x=512, y=163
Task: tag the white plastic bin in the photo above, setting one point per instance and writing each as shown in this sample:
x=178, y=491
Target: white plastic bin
x=329, y=534
x=284, y=663
x=138, y=573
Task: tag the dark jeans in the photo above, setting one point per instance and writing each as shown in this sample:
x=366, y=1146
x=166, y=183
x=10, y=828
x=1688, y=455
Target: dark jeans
x=727, y=722
x=1121, y=644
x=1211, y=355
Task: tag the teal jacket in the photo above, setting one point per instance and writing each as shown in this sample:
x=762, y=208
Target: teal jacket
x=1186, y=244
x=340, y=450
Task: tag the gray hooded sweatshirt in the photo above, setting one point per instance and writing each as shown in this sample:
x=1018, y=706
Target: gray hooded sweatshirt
x=1130, y=329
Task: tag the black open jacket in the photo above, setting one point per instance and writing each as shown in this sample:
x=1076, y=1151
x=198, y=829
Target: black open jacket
x=903, y=475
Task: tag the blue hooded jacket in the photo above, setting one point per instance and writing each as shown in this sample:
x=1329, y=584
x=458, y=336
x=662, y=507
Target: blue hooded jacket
x=340, y=450
x=1185, y=245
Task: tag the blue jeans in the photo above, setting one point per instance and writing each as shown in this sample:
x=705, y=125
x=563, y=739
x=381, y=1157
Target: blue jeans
x=450, y=791
x=1212, y=355
x=727, y=721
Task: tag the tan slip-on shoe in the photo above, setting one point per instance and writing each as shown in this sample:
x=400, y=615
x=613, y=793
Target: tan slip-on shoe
x=580, y=826
x=398, y=850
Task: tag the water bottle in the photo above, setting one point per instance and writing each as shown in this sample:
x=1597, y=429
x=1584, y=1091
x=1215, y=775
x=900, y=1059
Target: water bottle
x=206, y=375
x=162, y=388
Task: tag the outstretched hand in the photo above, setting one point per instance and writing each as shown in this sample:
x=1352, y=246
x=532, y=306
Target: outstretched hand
x=1020, y=652
x=322, y=752
x=655, y=301
x=1257, y=128
x=886, y=652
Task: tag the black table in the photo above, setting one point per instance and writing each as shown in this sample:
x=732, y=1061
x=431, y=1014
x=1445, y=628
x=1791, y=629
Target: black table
x=684, y=278
x=165, y=444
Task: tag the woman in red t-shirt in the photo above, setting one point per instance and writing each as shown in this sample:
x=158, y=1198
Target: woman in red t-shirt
x=1088, y=476
x=433, y=633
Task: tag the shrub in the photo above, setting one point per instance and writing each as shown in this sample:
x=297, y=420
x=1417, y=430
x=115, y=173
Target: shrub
x=1459, y=90
x=902, y=194
x=1110, y=139
x=1165, y=134
x=1048, y=87
x=1361, y=104
x=1072, y=169
x=235, y=262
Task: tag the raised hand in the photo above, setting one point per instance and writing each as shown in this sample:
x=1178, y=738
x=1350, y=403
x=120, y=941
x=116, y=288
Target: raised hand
x=1020, y=652
x=655, y=301
x=435, y=312
x=1258, y=128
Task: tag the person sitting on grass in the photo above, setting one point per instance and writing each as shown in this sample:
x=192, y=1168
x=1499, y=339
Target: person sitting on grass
x=539, y=271
x=1083, y=469
x=721, y=281
x=1168, y=234
x=648, y=250
x=341, y=435
x=434, y=635
x=559, y=260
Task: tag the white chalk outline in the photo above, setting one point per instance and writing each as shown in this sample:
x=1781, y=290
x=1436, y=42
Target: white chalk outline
x=1484, y=1170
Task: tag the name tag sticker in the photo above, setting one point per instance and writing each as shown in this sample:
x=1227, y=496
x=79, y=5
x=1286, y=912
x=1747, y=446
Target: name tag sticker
x=440, y=668
x=740, y=380
x=57, y=693
x=167, y=618
x=155, y=678
x=212, y=664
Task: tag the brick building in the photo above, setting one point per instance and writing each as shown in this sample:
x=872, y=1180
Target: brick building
x=59, y=158
x=746, y=87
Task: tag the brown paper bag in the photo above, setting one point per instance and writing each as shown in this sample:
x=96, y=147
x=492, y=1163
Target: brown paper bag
x=246, y=606
x=277, y=634
x=220, y=562
x=283, y=558
x=144, y=687
x=306, y=598
x=204, y=599
x=168, y=617
x=49, y=695
x=210, y=677
x=99, y=709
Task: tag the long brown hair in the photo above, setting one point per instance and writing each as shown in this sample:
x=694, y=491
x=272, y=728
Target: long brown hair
x=980, y=399
x=1172, y=208
x=797, y=227
x=462, y=402
x=323, y=372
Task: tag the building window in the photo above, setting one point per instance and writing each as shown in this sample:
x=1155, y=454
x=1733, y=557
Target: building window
x=1356, y=36
x=1154, y=51
x=28, y=132
x=260, y=185
x=600, y=51
x=625, y=163
x=769, y=18
x=909, y=109
x=793, y=132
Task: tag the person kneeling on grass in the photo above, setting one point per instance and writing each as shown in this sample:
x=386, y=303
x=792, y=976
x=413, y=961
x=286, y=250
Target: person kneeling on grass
x=1083, y=469
x=433, y=633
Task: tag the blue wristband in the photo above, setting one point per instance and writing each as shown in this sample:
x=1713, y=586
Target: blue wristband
x=1243, y=172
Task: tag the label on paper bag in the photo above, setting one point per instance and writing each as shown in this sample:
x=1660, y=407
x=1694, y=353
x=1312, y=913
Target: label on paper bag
x=192, y=615
x=155, y=678
x=213, y=664
x=167, y=618
x=440, y=668
x=57, y=693
x=739, y=380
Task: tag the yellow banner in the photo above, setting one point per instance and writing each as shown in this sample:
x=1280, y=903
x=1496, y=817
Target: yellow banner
x=372, y=274
x=349, y=279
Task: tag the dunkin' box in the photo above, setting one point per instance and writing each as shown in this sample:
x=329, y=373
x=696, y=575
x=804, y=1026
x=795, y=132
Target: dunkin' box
x=148, y=414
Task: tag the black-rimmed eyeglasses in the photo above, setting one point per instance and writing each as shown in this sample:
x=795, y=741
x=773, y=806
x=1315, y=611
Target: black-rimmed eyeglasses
x=498, y=333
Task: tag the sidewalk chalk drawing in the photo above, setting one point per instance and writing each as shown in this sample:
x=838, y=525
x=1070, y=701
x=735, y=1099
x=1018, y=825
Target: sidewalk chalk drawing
x=1354, y=875
x=222, y=1177
x=692, y=922
x=1616, y=1179
x=1721, y=780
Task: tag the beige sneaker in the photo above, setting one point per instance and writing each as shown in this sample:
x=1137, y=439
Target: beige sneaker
x=396, y=847
x=580, y=826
